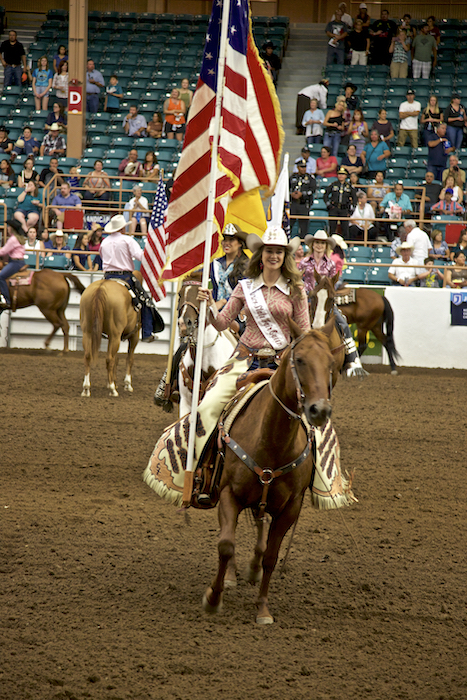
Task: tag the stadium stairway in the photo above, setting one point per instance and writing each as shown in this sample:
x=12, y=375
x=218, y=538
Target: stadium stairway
x=303, y=65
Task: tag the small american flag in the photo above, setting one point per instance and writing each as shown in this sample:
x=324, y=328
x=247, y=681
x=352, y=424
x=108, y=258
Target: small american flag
x=154, y=255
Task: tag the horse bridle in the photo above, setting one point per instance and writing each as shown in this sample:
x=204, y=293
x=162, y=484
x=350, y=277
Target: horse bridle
x=298, y=385
x=191, y=335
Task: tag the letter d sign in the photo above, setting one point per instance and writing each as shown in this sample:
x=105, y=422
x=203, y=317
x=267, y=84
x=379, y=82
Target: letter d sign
x=75, y=100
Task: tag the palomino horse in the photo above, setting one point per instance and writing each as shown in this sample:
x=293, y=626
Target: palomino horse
x=216, y=349
x=106, y=307
x=370, y=311
x=274, y=467
x=50, y=292
x=321, y=300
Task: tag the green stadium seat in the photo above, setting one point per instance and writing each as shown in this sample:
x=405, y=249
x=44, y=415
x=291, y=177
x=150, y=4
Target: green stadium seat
x=378, y=275
x=354, y=275
x=56, y=262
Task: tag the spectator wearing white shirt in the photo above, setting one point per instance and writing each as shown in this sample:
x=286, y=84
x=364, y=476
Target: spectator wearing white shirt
x=403, y=272
x=408, y=115
x=319, y=92
x=419, y=241
x=313, y=120
x=345, y=15
x=362, y=211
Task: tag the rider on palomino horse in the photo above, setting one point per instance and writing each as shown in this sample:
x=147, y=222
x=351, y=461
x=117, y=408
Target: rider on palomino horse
x=117, y=252
x=318, y=259
x=14, y=248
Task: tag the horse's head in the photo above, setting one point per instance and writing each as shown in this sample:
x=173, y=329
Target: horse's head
x=322, y=299
x=188, y=306
x=309, y=371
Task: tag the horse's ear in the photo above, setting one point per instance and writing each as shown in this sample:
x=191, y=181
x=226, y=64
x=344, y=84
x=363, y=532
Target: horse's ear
x=317, y=276
x=335, y=279
x=295, y=329
x=329, y=326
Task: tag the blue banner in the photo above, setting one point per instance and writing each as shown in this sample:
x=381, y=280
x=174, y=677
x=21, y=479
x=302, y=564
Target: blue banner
x=459, y=308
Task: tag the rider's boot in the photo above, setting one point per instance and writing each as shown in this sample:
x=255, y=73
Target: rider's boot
x=4, y=304
x=353, y=366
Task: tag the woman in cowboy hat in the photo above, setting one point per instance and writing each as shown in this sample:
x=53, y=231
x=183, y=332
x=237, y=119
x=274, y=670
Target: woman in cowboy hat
x=14, y=249
x=59, y=243
x=226, y=271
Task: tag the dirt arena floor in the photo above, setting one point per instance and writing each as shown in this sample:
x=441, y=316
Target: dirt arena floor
x=101, y=582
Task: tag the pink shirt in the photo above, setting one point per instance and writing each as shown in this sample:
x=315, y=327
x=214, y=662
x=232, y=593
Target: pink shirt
x=325, y=267
x=281, y=304
x=13, y=248
x=117, y=251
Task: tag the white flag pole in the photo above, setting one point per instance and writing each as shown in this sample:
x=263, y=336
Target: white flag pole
x=281, y=194
x=188, y=483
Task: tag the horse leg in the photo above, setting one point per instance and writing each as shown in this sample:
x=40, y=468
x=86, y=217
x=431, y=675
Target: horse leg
x=361, y=339
x=111, y=363
x=132, y=343
x=87, y=366
x=277, y=531
x=378, y=332
x=53, y=318
x=65, y=326
x=228, y=515
x=255, y=569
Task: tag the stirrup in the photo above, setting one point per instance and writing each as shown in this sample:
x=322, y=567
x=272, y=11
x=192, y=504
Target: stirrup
x=355, y=369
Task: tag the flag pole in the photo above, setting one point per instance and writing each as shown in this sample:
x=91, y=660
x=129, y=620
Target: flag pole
x=188, y=482
x=168, y=376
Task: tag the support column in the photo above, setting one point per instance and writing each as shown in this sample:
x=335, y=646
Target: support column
x=77, y=57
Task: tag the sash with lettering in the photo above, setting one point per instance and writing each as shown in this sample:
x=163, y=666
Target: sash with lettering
x=263, y=317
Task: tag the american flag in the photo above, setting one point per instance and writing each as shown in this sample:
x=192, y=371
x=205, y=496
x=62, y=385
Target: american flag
x=154, y=255
x=249, y=144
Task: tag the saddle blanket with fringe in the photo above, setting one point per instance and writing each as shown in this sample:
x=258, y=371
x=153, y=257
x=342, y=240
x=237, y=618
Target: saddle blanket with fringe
x=344, y=296
x=165, y=472
x=23, y=279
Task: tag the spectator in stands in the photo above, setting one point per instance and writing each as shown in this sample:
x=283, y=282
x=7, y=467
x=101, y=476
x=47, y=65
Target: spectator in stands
x=409, y=28
x=155, y=126
x=351, y=161
x=351, y=99
x=403, y=271
x=7, y=176
x=455, y=117
x=439, y=249
x=358, y=131
x=59, y=243
x=456, y=276
x=375, y=155
x=94, y=244
x=408, y=115
x=399, y=238
x=432, y=191
x=359, y=43
x=377, y=191
x=424, y=49
x=53, y=142
x=272, y=60
x=13, y=58
x=326, y=165
x=56, y=116
x=418, y=239
x=42, y=78
x=354, y=180
x=439, y=148
x=81, y=261
x=399, y=49
x=28, y=173
x=382, y=31
x=457, y=194
x=394, y=206
x=131, y=167
x=384, y=127
x=431, y=118
x=134, y=124
x=174, y=115
x=6, y=144
x=60, y=84
x=186, y=95
x=337, y=32
x=138, y=208
x=363, y=15
x=64, y=200
x=94, y=83
x=310, y=162
x=454, y=170
x=346, y=18
x=340, y=198
x=32, y=242
x=319, y=91
x=113, y=95
x=97, y=184
x=446, y=205
x=302, y=187
x=338, y=256
x=433, y=29
x=461, y=245
x=46, y=243
x=28, y=206
x=313, y=121
x=60, y=56
x=362, y=211
x=151, y=169
x=74, y=181
x=334, y=127
x=26, y=144
x=430, y=277
x=48, y=173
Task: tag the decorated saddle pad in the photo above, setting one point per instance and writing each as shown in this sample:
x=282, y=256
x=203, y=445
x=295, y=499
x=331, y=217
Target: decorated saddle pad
x=344, y=296
x=332, y=486
x=22, y=279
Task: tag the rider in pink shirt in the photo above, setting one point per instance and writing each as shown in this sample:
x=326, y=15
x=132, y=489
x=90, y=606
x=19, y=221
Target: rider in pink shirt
x=14, y=248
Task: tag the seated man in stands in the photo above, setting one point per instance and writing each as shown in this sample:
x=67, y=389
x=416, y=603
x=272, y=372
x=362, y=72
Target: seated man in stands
x=446, y=205
x=135, y=124
x=48, y=173
x=26, y=144
x=64, y=200
x=407, y=274
x=362, y=211
x=457, y=173
x=432, y=190
x=131, y=167
x=6, y=144
x=395, y=205
x=53, y=143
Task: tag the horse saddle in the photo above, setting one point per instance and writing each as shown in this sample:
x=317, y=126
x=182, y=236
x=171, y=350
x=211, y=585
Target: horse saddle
x=22, y=278
x=344, y=295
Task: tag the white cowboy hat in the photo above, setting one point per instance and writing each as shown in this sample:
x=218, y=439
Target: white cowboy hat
x=320, y=235
x=274, y=235
x=403, y=246
x=340, y=241
x=59, y=232
x=116, y=223
x=55, y=127
x=234, y=230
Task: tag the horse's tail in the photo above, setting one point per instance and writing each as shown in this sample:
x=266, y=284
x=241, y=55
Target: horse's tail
x=79, y=286
x=388, y=320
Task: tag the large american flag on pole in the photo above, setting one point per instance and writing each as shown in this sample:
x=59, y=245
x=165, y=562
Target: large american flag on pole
x=154, y=255
x=249, y=144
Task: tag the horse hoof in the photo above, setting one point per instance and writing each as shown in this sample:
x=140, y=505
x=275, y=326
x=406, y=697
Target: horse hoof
x=113, y=393
x=86, y=393
x=128, y=388
x=208, y=608
x=253, y=576
x=394, y=372
x=230, y=583
x=266, y=620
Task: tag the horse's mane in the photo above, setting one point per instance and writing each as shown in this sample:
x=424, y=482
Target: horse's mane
x=194, y=276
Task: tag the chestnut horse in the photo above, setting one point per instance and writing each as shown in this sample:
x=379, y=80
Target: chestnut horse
x=321, y=300
x=271, y=432
x=50, y=292
x=106, y=307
